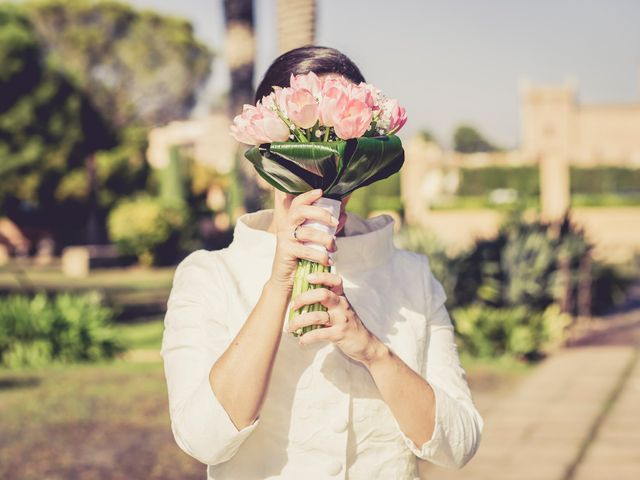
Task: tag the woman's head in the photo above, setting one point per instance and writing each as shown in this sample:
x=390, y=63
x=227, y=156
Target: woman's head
x=320, y=60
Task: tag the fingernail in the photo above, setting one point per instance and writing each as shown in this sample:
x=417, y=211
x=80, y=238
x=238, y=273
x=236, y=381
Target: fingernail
x=312, y=276
x=334, y=221
x=330, y=262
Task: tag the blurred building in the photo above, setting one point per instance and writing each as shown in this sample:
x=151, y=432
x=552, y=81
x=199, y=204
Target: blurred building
x=557, y=132
x=586, y=135
x=206, y=139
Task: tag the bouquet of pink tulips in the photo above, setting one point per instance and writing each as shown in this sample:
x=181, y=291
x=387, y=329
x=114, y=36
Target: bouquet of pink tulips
x=326, y=133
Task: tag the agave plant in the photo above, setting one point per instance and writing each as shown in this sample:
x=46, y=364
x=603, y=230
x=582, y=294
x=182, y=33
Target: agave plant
x=338, y=168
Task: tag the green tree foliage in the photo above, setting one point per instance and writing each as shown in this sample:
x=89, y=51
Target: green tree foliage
x=147, y=228
x=427, y=136
x=47, y=125
x=466, y=139
x=81, y=77
x=173, y=180
x=138, y=67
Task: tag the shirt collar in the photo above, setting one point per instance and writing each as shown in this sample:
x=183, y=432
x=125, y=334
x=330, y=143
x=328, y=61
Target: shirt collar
x=366, y=244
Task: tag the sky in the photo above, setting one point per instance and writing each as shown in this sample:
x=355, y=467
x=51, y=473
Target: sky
x=457, y=61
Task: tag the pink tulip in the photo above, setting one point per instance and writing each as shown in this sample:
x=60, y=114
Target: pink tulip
x=270, y=126
x=333, y=100
x=302, y=108
x=257, y=125
x=269, y=101
x=240, y=127
x=280, y=96
x=353, y=121
x=365, y=93
x=392, y=117
x=309, y=81
x=334, y=78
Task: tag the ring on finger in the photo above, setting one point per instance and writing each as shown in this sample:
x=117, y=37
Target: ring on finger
x=295, y=232
x=328, y=323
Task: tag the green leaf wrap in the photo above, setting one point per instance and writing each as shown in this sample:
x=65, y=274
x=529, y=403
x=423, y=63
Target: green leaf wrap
x=338, y=168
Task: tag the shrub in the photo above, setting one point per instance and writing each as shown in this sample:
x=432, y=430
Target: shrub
x=608, y=287
x=594, y=180
x=147, y=228
x=479, y=181
x=514, y=331
x=532, y=263
x=36, y=331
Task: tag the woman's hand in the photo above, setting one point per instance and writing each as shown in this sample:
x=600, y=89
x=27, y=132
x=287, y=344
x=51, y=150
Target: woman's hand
x=342, y=325
x=290, y=249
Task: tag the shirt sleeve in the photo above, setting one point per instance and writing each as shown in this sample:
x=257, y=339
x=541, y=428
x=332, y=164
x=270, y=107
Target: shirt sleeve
x=195, y=336
x=458, y=424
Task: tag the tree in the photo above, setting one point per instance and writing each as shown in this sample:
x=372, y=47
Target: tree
x=296, y=23
x=427, y=136
x=138, y=67
x=240, y=40
x=466, y=139
x=48, y=127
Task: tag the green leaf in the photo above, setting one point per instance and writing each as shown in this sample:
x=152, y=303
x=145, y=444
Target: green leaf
x=338, y=168
x=367, y=160
x=279, y=176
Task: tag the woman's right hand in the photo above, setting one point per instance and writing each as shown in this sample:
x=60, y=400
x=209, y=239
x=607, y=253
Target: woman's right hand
x=288, y=249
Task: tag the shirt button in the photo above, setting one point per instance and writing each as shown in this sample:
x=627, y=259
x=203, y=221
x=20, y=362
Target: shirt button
x=334, y=467
x=339, y=424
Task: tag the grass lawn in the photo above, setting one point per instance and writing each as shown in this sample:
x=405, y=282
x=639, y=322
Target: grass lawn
x=103, y=421
x=111, y=421
x=142, y=336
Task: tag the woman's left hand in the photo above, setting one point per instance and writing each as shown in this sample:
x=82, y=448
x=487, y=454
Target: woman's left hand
x=344, y=327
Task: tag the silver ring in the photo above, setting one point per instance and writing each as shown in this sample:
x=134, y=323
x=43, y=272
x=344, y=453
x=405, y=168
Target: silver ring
x=329, y=320
x=295, y=230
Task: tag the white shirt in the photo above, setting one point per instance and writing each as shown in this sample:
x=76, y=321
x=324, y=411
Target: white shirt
x=323, y=416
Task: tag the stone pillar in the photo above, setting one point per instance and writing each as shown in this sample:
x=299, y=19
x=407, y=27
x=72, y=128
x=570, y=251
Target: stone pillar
x=549, y=134
x=422, y=158
x=554, y=186
x=75, y=261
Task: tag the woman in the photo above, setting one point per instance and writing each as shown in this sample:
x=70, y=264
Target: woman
x=378, y=387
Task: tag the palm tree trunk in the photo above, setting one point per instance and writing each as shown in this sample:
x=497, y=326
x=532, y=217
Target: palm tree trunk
x=240, y=53
x=296, y=24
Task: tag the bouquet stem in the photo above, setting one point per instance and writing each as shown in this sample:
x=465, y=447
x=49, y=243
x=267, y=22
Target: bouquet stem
x=300, y=285
x=305, y=267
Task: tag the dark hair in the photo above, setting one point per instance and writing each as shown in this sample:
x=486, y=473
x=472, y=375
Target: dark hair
x=311, y=58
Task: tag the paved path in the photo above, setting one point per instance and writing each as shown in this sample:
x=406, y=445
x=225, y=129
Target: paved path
x=576, y=417
x=615, y=451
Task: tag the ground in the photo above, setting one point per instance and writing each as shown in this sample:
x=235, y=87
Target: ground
x=575, y=417
x=110, y=420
